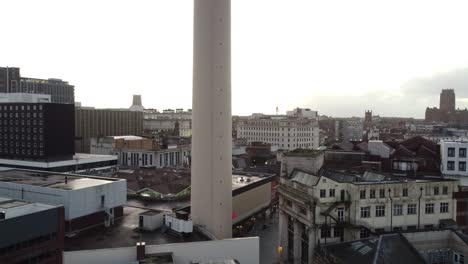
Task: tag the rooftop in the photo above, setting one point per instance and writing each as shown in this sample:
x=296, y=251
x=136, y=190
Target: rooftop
x=393, y=248
x=367, y=177
x=243, y=179
x=78, y=158
x=51, y=179
x=303, y=153
x=129, y=137
x=399, y=248
x=125, y=233
x=161, y=258
x=172, y=181
x=14, y=208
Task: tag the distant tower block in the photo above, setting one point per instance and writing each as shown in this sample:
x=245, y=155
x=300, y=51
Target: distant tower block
x=447, y=101
x=211, y=201
x=136, y=104
x=368, y=117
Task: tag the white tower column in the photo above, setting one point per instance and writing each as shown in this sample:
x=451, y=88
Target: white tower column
x=211, y=201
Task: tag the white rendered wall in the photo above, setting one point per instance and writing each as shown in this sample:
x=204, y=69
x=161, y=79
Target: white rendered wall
x=211, y=199
x=77, y=203
x=245, y=250
x=444, y=145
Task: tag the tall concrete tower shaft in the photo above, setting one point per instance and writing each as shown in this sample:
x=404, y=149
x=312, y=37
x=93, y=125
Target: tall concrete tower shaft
x=211, y=201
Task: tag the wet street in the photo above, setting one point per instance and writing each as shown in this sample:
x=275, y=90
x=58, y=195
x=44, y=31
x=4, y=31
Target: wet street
x=268, y=238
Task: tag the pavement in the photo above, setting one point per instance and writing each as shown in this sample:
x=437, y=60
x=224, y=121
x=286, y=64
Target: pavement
x=268, y=238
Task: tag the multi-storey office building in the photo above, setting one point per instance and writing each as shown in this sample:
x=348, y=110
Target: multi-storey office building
x=12, y=82
x=284, y=132
x=31, y=232
x=36, y=131
x=133, y=151
x=454, y=157
x=91, y=122
x=178, y=122
x=351, y=129
x=9, y=79
x=332, y=207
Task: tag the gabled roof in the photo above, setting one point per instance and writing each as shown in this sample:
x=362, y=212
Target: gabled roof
x=416, y=142
x=343, y=146
x=388, y=249
x=304, y=177
x=394, y=248
x=338, y=176
x=363, y=146
x=369, y=176
x=424, y=151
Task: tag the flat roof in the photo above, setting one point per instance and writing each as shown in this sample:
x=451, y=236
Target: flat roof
x=152, y=212
x=52, y=179
x=125, y=233
x=128, y=137
x=14, y=208
x=78, y=158
x=172, y=181
x=242, y=180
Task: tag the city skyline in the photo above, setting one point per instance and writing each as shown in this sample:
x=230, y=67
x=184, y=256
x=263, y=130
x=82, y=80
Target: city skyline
x=393, y=59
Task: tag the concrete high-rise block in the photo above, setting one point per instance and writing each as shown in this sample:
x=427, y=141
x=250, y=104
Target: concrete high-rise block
x=211, y=201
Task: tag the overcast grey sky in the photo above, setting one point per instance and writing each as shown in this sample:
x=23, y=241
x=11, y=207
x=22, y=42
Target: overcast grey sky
x=338, y=57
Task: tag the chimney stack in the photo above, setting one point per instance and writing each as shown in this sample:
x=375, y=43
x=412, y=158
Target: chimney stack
x=211, y=191
x=140, y=248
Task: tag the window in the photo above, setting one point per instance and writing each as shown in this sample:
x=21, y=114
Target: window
x=382, y=193
x=332, y=192
x=325, y=232
x=429, y=208
x=445, y=190
x=323, y=193
x=412, y=227
x=365, y=212
x=288, y=203
x=444, y=207
x=364, y=233
x=372, y=194
x=450, y=165
x=427, y=227
x=302, y=210
x=379, y=230
x=338, y=231
x=405, y=192
x=380, y=211
x=436, y=190
x=397, y=209
x=462, y=152
x=363, y=194
x=412, y=209
x=462, y=166
x=451, y=152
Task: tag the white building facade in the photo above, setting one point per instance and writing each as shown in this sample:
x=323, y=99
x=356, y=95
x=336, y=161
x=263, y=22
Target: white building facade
x=169, y=120
x=284, y=132
x=454, y=157
x=80, y=196
x=336, y=207
x=242, y=250
x=171, y=157
x=128, y=155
